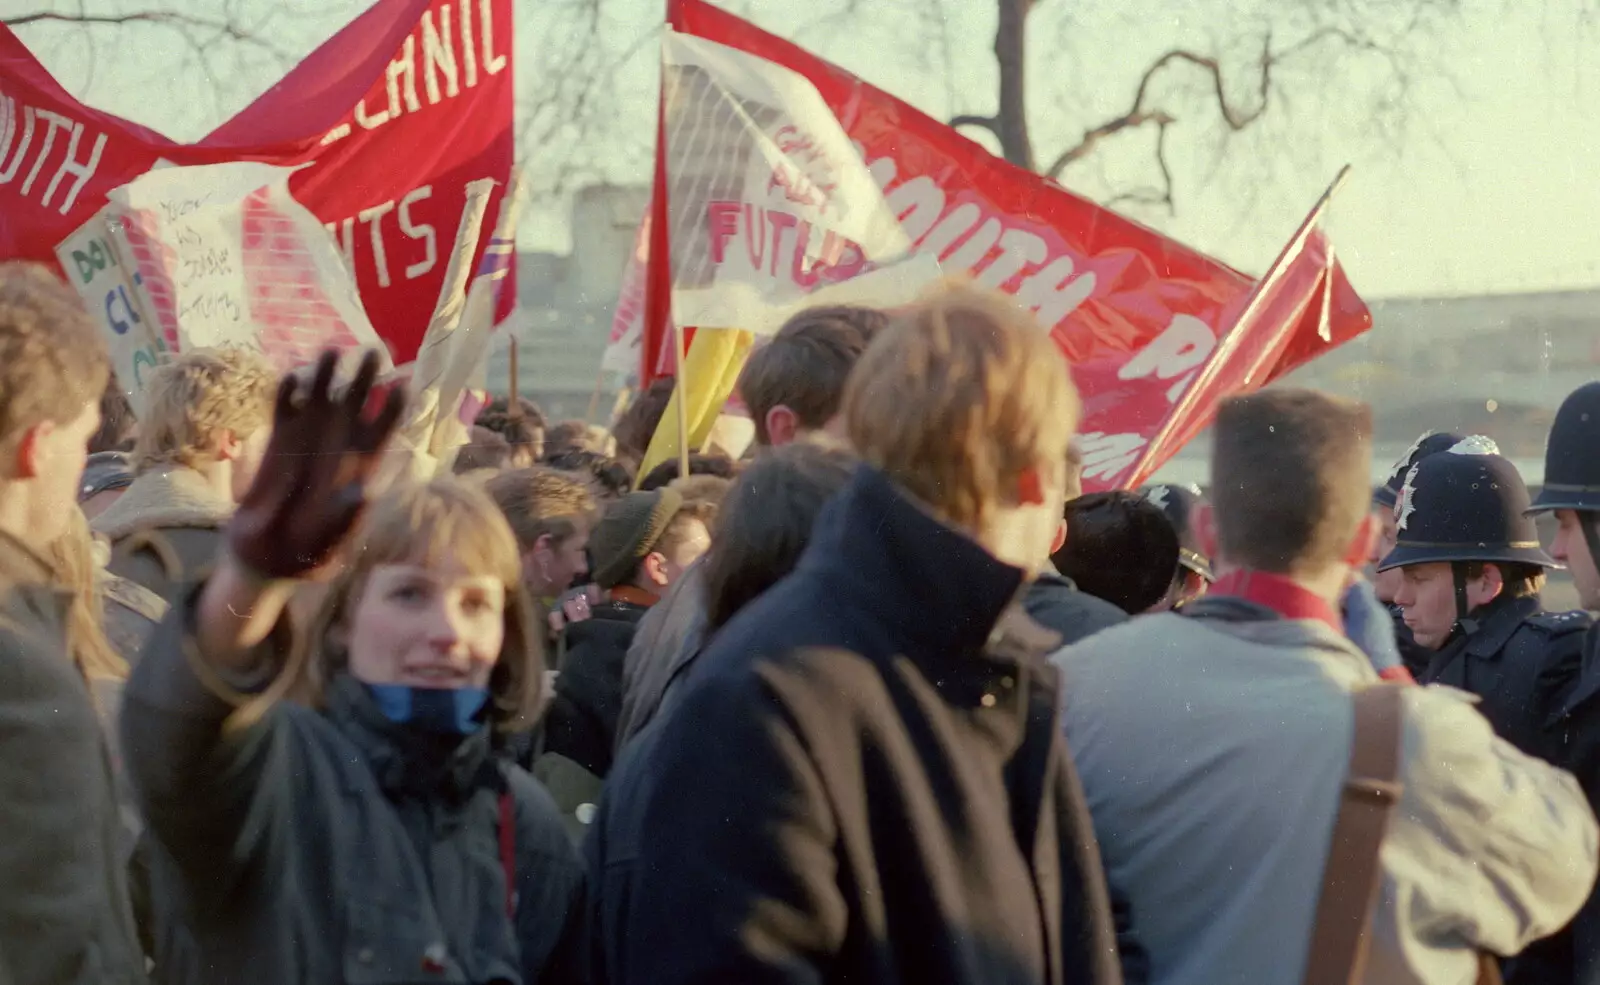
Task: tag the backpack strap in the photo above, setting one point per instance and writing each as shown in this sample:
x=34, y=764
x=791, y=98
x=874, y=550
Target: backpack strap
x=508, y=850
x=1351, y=876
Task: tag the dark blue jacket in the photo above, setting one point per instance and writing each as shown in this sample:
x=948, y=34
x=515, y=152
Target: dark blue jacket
x=1516, y=658
x=1573, y=956
x=862, y=779
x=333, y=847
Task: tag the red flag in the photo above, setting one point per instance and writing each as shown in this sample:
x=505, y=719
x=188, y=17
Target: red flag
x=1138, y=315
x=395, y=114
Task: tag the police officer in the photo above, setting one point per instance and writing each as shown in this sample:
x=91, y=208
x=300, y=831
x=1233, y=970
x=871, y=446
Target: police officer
x=1572, y=492
x=1471, y=570
x=1387, y=583
x=1194, y=575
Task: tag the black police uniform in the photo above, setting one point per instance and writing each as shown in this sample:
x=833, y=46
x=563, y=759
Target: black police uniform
x=1460, y=507
x=1572, y=482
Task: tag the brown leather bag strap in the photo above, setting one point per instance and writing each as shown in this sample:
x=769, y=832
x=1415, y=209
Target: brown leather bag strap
x=1352, y=876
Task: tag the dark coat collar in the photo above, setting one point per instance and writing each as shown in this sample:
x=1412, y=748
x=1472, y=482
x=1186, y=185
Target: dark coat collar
x=410, y=764
x=1498, y=622
x=29, y=583
x=933, y=586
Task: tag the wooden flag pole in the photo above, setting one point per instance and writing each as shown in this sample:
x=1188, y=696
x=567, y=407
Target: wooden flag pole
x=683, y=404
x=514, y=402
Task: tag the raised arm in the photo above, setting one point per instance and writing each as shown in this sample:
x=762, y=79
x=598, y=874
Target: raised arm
x=211, y=794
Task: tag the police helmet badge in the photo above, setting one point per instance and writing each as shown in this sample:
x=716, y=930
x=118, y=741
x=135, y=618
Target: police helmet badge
x=1405, y=503
x=1475, y=444
x=1405, y=460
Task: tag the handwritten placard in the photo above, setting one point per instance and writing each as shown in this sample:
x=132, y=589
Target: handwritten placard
x=227, y=257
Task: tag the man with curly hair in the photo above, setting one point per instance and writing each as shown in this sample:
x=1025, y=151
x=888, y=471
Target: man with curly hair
x=207, y=418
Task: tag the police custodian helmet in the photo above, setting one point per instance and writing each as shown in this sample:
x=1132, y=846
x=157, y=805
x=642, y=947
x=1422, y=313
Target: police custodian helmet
x=1430, y=443
x=1572, y=457
x=1464, y=505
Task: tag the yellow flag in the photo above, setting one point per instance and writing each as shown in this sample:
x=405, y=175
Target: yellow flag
x=711, y=369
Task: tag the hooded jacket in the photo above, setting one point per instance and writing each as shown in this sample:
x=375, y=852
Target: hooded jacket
x=862, y=781
x=335, y=847
x=65, y=916
x=165, y=530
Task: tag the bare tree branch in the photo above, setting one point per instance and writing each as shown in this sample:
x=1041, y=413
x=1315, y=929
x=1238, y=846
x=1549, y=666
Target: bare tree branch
x=1234, y=117
x=988, y=123
x=184, y=23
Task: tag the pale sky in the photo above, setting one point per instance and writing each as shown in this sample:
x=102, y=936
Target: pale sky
x=1488, y=190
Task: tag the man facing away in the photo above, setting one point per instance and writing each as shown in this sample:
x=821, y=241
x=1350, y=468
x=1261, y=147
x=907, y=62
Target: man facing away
x=1213, y=744
x=863, y=778
x=65, y=918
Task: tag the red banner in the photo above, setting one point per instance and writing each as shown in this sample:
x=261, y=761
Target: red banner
x=1139, y=315
x=392, y=117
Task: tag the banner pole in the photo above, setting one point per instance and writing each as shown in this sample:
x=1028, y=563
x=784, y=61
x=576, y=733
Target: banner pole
x=683, y=402
x=514, y=402
x=1228, y=341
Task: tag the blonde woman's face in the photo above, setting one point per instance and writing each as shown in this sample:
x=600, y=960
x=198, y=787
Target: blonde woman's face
x=433, y=626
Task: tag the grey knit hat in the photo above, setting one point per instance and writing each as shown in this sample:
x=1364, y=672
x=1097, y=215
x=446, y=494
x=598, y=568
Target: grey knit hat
x=630, y=529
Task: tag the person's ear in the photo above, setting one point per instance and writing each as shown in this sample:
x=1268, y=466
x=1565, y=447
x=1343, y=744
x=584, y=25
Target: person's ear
x=654, y=569
x=1359, y=552
x=228, y=446
x=1204, y=523
x=33, y=450
x=783, y=425
x=1060, y=540
x=1491, y=583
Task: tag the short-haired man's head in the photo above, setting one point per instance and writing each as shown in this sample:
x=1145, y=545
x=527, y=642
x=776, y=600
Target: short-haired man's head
x=765, y=523
x=1120, y=547
x=543, y=502
x=666, y=472
x=804, y=367
x=485, y=449
x=191, y=401
x=1290, y=479
x=520, y=424
x=958, y=398
x=636, y=425
x=53, y=362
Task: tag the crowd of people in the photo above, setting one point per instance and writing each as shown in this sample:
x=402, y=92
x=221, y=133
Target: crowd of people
x=887, y=700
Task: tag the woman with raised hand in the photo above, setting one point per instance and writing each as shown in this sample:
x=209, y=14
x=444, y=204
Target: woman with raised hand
x=372, y=832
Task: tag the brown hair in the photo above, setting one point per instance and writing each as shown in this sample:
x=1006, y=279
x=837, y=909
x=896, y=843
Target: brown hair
x=71, y=555
x=421, y=524
x=53, y=362
x=485, y=449
x=1520, y=578
x=1289, y=472
x=568, y=436
x=637, y=424
x=806, y=364
x=542, y=501
x=666, y=473
x=765, y=524
x=198, y=395
x=957, y=398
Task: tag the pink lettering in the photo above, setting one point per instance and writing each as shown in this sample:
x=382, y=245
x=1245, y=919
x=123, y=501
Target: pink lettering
x=723, y=220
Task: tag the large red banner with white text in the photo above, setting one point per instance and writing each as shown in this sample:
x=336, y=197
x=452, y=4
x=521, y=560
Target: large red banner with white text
x=1141, y=318
x=391, y=118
